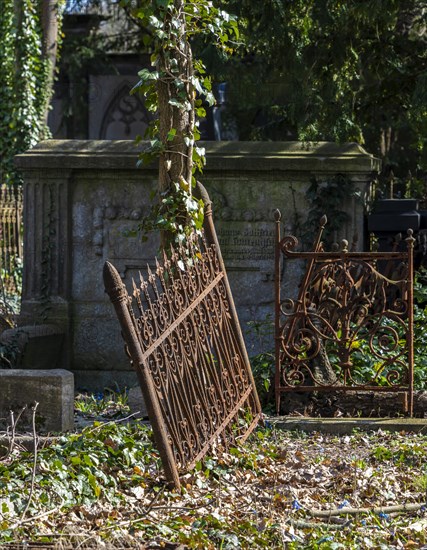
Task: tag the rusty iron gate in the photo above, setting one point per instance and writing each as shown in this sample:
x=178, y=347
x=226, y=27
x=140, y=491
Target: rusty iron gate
x=350, y=327
x=183, y=337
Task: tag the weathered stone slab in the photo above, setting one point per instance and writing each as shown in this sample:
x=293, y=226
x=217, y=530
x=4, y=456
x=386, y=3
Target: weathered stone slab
x=52, y=389
x=342, y=426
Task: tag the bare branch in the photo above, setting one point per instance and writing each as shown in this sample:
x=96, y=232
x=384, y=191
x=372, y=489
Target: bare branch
x=412, y=507
x=33, y=475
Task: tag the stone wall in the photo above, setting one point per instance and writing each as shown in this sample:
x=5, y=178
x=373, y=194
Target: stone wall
x=81, y=198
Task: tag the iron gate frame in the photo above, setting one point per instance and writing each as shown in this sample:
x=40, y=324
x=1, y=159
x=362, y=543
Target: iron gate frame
x=187, y=348
x=299, y=309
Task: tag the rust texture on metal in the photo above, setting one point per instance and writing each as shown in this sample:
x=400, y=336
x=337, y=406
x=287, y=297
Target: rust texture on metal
x=182, y=335
x=11, y=206
x=350, y=327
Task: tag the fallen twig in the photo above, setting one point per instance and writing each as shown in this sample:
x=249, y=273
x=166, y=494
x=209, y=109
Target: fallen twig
x=109, y=423
x=33, y=518
x=375, y=509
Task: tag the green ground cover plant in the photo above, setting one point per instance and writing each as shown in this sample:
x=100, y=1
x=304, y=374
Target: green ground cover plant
x=104, y=485
x=110, y=404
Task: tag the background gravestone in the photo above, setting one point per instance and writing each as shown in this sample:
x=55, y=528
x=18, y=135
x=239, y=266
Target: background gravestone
x=81, y=199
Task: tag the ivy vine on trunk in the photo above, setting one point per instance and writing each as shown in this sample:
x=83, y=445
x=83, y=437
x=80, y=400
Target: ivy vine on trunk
x=28, y=49
x=175, y=91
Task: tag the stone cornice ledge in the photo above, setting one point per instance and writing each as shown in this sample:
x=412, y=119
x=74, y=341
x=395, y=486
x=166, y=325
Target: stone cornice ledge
x=221, y=156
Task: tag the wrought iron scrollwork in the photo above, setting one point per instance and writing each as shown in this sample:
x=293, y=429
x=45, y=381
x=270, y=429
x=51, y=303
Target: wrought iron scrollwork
x=351, y=326
x=182, y=333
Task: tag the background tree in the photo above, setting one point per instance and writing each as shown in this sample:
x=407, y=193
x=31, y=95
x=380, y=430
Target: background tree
x=353, y=70
x=50, y=18
x=28, y=49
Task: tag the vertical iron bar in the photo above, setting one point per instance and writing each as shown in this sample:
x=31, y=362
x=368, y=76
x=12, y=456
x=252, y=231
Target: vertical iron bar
x=277, y=335
x=410, y=243
x=308, y=271
x=300, y=305
x=310, y=264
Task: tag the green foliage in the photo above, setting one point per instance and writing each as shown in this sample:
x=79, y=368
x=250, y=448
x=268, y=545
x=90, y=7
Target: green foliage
x=328, y=197
x=420, y=336
x=420, y=482
x=108, y=404
x=263, y=369
x=416, y=188
x=407, y=186
x=10, y=305
x=176, y=212
x=331, y=70
x=410, y=453
x=78, y=469
x=24, y=77
x=13, y=279
x=8, y=354
x=104, y=486
x=175, y=90
x=263, y=363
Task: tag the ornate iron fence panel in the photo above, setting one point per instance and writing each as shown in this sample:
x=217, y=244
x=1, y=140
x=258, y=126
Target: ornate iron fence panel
x=182, y=334
x=351, y=325
x=10, y=235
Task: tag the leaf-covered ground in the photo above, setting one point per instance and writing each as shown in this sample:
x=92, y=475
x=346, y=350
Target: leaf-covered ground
x=103, y=487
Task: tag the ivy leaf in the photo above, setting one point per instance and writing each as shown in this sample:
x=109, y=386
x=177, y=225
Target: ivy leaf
x=176, y=103
x=210, y=98
x=171, y=134
x=147, y=40
x=196, y=83
x=146, y=75
x=154, y=22
x=200, y=151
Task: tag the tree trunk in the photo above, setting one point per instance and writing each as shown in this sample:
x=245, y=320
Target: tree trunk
x=50, y=28
x=175, y=160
